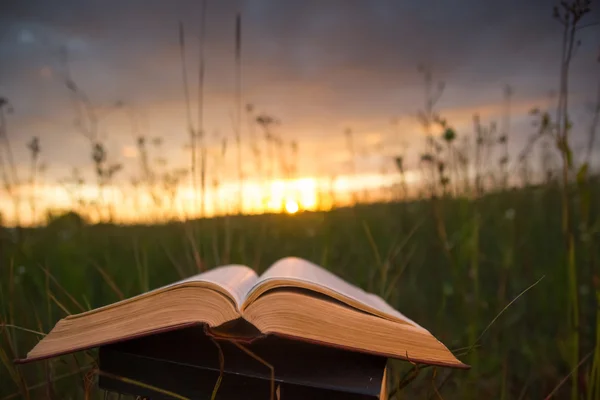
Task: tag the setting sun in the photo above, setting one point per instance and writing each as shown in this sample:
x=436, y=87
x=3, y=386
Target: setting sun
x=291, y=207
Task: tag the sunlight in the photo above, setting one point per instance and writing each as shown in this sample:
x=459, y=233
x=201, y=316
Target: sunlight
x=291, y=207
x=307, y=190
x=151, y=204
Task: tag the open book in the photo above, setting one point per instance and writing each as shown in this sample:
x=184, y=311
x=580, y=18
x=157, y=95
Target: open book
x=293, y=299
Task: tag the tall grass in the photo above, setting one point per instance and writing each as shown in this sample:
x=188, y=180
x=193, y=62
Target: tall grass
x=390, y=249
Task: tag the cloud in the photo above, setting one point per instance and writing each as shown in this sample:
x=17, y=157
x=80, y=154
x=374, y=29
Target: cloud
x=318, y=66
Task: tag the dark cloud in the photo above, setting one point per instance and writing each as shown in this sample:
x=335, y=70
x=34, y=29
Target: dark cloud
x=319, y=65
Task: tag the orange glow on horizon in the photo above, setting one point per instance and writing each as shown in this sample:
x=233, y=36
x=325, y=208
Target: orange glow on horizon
x=127, y=204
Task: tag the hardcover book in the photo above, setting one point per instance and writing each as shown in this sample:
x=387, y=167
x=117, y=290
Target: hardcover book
x=187, y=363
x=293, y=299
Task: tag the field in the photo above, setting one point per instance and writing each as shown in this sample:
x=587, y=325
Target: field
x=487, y=234
x=497, y=247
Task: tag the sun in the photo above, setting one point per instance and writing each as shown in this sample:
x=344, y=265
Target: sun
x=291, y=207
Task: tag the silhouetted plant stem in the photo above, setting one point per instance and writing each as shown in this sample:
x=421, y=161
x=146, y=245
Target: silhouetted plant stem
x=188, y=113
x=569, y=14
x=7, y=163
x=34, y=148
x=201, y=133
x=238, y=107
x=504, y=137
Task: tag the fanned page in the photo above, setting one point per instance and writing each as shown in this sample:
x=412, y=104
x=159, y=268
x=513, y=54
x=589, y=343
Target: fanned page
x=233, y=281
x=300, y=273
x=213, y=297
x=236, y=280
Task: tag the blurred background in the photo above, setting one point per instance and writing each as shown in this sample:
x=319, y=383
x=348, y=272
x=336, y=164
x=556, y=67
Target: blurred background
x=442, y=155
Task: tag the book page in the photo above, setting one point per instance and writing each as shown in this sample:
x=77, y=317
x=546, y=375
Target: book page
x=234, y=279
x=292, y=269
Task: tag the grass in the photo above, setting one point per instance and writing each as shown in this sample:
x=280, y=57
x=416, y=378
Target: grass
x=494, y=251
x=507, y=278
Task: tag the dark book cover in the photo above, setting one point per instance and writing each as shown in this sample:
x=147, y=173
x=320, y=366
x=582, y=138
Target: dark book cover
x=187, y=362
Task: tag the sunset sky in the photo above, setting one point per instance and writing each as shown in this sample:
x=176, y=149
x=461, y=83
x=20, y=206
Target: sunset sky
x=318, y=66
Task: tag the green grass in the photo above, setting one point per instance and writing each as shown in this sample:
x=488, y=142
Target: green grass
x=496, y=247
